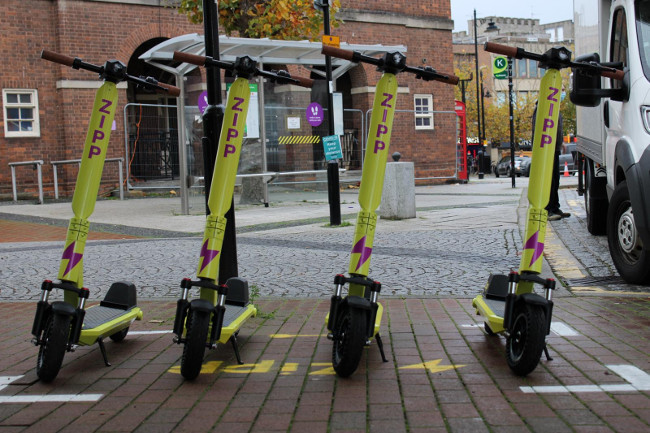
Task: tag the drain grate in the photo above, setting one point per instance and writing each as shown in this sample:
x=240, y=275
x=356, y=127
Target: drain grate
x=590, y=281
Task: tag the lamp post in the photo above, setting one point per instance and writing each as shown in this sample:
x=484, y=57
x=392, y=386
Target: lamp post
x=333, y=194
x=462, y=85
x=478, y=106
x=492, y=27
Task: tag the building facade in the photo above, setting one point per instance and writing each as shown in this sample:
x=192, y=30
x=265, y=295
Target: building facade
x=45, y=107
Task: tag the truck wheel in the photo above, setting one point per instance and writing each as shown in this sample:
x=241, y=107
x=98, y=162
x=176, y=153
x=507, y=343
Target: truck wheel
x=595, y=201
x=51, y=352
x=349, y=341
x=631, y=258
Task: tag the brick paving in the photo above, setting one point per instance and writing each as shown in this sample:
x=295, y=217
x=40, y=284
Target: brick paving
x=443, y=374
x=19, y=231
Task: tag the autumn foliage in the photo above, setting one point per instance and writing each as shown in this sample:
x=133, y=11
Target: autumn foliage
x=274, y=19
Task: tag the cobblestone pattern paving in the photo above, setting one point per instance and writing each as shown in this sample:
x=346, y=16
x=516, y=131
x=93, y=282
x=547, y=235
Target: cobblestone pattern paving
x=421, y=263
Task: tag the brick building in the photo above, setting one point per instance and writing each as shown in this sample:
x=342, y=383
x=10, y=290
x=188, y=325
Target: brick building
x=45, y=107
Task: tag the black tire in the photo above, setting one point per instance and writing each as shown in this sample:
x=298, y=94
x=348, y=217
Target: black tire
x=196, y=336
x=349, y=341
x=631, y=258
x=51, y=352
x=595, y=201
x=119, y=335
x=526, y=342
x=496, y=172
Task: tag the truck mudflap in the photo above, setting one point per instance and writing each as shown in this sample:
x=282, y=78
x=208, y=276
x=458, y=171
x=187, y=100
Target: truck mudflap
x=637, y=176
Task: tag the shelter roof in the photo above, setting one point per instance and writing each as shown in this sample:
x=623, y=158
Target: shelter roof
x=267, y=51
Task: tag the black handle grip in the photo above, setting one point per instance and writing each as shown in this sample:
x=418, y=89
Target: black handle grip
x=338, y=53
x=57, y=58
x=501, y=49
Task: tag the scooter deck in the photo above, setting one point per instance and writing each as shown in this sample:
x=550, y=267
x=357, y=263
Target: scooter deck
x=492, y=310
x=234, y=318
x=101, y=322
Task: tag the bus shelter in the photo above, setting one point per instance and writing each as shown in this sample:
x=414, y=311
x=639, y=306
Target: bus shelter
x=265, y=51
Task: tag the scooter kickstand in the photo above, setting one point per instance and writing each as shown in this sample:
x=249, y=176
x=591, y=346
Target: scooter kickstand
x=233, y=340
x=548, y=356
x=102, y=349
x=380, y=344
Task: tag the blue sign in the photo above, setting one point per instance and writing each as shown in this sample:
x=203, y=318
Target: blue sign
x=332, y=146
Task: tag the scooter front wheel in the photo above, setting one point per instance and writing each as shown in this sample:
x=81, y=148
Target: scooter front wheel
x=197, y=333
x=52, y=350
x=526, y=341
x=349, y=341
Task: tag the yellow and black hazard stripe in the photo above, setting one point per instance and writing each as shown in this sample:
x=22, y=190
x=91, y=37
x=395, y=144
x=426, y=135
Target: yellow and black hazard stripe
x=299, y=139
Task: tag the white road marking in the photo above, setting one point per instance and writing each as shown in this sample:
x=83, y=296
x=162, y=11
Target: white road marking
x=149, y=332
x=63, y=398
x=563, y=330
x=638, y=380
x=59, y=398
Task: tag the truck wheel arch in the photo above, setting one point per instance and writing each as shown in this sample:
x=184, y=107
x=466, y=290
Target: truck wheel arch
x=638, y=181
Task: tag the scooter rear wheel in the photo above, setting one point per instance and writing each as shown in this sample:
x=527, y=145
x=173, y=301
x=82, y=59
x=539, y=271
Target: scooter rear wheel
x=349, y=341
x=51, y=352
x=197, y=334
x=526, y=342
x=119, y=335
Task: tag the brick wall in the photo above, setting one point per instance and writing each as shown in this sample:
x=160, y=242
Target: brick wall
x=96, y=31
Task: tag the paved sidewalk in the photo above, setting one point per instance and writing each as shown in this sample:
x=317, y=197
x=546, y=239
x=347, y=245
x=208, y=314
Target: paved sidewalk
x=443, y=374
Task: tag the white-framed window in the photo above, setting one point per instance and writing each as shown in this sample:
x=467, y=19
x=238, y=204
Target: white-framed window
x=21, y=112
x=423, y=105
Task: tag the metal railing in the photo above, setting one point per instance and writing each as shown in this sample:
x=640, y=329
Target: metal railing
x=120, y=163
x=37, y=165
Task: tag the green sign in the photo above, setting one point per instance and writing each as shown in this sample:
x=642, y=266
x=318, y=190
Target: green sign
x=500, y=68
x=332, y=147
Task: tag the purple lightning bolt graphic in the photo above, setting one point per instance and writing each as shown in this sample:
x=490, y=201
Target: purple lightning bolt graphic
x=365, y=252
x=208, y=255
x=531, y=244
x=72, y=257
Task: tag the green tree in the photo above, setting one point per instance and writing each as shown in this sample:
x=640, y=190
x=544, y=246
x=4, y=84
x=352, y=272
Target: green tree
x=275, y=19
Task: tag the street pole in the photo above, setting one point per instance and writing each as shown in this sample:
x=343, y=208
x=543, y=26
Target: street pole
x=512, y=122
x=212, y=120
x=478, y=106
x=333, y=193
x=482, y=137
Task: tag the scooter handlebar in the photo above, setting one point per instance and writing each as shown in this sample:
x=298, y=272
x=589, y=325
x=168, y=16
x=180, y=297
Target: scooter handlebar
x=303, y=81
x=192, y=59
x=616, y=75
x=57, y=58
x=501, y=49
x=338, y=53
x=168, y=89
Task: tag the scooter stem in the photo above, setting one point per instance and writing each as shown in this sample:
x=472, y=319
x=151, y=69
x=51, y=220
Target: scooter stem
x=88, y=180
x=372, y=178
x=539, y=188
x=223, y=181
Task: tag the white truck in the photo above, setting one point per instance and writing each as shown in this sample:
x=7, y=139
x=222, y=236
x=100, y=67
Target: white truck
x=613, y=128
